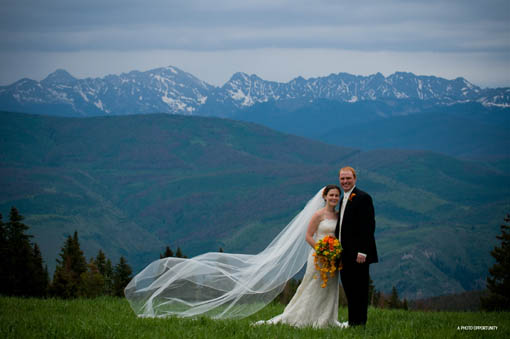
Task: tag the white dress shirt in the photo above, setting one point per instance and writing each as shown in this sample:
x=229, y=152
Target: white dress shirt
x=342, y=209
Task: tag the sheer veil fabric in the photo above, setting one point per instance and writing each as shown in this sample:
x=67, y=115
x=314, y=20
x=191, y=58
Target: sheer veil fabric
x=223, y=285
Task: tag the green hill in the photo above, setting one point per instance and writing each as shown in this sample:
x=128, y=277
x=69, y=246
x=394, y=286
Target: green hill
x=132, y=185
x=468, y=130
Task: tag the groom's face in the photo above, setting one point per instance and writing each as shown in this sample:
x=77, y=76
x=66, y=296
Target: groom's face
x=347, y=180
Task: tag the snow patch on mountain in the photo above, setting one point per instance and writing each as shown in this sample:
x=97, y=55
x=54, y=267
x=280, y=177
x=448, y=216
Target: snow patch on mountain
x=99, y=104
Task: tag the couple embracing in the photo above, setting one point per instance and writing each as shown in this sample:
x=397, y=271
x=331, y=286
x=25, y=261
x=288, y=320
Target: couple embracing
x=225, y=285
x=354, y=226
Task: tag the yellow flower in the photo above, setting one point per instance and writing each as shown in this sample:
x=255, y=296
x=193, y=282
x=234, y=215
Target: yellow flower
x=327, y=252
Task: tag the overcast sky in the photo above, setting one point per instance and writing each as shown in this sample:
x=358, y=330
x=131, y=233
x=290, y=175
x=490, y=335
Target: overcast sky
x=275, y=39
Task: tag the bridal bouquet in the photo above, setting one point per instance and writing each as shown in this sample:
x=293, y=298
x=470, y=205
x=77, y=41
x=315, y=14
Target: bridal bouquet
x=327, y=252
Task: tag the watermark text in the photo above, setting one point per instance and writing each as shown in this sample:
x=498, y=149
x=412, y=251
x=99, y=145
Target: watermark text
x=476, y=328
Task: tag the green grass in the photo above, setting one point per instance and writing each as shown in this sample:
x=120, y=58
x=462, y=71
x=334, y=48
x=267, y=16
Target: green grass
x=112, y=318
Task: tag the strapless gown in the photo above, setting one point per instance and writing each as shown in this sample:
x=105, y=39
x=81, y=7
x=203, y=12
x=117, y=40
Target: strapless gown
x=313, y=305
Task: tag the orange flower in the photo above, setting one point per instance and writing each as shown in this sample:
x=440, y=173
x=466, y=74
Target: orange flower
x=352, y=196
x=327, y=251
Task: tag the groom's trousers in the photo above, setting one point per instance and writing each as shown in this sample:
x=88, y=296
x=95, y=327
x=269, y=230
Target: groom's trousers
x=355, y=283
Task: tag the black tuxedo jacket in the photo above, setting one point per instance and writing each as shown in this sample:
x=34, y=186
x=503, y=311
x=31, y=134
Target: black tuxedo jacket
x=358, y=227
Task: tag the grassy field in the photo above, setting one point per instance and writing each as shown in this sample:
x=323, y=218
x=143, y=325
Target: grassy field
x=112, y=318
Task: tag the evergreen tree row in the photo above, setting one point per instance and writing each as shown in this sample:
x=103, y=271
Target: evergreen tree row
x=169, y=253
x=24, y=274
x=75, y=277
x=22, y=270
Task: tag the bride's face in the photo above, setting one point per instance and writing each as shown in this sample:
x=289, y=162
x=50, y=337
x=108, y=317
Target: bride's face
x=332, y=197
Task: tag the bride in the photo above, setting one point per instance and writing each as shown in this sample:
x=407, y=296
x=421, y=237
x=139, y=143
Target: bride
x=225, y=285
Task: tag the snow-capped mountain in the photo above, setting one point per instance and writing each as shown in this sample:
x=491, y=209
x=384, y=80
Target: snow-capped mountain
x=160, y=90
x=244, y=90
x=171, y=90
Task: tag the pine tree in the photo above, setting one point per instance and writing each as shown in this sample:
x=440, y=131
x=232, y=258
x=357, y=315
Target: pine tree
x=47, y=275
x=3, y=233
x=3, y=256
x=18, y=257
x=100, y=262
x=64, y=283
x=40, y=278
x=79, y=263
x=404, y=305
x=70, y=266
x=108, y=278
x=92, y=284
x=178, y=254
x=104, y=266
x=167, y=254
x=394, y=301
x=221, y=250
x=498, y=281
x=121, y=277
x=22, y=269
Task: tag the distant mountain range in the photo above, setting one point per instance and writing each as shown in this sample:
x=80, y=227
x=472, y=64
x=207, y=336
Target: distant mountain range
x=132, y=185
x=171, y=90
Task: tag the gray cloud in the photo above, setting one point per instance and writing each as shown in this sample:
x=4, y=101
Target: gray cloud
x=224, y=26
x=218, y=25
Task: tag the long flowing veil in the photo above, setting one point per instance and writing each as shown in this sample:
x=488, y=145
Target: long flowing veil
x=223, y=285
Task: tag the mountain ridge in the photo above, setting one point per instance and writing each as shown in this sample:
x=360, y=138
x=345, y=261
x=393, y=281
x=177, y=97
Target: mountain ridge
x=171, y=90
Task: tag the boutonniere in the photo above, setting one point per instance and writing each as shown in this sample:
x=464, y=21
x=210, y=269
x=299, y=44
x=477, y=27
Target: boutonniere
x=352, y=196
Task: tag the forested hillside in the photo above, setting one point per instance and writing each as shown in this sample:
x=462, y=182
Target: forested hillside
x=132, y=185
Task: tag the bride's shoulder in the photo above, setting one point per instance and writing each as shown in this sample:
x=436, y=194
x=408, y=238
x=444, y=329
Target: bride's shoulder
x=320, y=214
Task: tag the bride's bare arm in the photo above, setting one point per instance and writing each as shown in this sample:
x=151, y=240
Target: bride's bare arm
x=312, y=228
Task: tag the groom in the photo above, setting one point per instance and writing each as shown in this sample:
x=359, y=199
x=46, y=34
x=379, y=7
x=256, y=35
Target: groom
x=355, y=229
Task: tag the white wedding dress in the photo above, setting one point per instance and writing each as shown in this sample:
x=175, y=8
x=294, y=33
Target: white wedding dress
x=229, y=285
x=313, y=305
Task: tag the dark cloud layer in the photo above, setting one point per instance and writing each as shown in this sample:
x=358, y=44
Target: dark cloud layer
x=219, y=25
x=475, y=32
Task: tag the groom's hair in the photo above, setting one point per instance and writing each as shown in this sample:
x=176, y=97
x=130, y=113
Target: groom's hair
x=348, y=168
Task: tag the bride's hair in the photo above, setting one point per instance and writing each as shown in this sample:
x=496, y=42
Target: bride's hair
x=329, y=188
